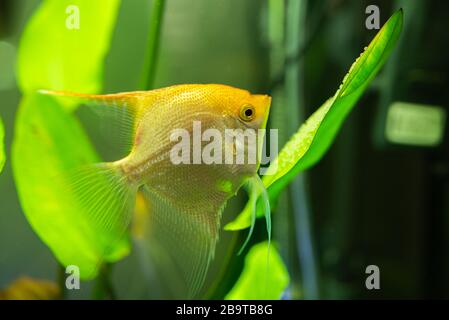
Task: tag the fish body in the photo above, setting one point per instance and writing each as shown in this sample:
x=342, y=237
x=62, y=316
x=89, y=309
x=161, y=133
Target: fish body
x=213, y=106
x=183, y=200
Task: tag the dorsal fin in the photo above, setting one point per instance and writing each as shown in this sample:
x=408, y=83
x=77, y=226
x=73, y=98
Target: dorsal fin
x=114, y=118
x=123, y=99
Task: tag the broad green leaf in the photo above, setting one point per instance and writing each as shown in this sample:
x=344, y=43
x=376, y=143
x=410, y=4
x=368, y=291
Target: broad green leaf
x=55, y=54
x=48, y=143
x=256, y=280
x=2, y=146
x=309, y=144
x=48, y=139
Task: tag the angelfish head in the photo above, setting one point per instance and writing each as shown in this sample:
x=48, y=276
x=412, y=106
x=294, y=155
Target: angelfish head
x=245, y=109
x=253, y=111
x=249, y=114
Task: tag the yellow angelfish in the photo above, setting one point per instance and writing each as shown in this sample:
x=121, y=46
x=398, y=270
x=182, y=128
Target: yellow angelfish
x=184, y=200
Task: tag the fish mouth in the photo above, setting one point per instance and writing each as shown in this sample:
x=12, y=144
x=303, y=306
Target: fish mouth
x=265, y=104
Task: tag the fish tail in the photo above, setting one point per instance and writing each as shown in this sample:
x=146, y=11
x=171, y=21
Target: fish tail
x=106, y=200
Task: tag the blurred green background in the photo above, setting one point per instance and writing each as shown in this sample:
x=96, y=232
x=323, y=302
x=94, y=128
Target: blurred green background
x=371, y=200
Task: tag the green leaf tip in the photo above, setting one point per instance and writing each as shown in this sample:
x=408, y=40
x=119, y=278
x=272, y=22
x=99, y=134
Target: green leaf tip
x=378, y=49
x=256, y=280
x=69, y=57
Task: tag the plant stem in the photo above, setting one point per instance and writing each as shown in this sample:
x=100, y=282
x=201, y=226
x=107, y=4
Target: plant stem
x=61, y=278
x=149, y=68
x=103, y=288
x=294, y=94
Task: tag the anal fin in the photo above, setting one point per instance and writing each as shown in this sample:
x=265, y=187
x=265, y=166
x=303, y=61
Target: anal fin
x=179, y=244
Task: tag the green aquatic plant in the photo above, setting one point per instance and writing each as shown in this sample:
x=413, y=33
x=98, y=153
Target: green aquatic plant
x=254, y=282
x=2, y=146
x=309, y=144
x=154, y=32
x=68, y=59
x=73, y=60
x=59, y=144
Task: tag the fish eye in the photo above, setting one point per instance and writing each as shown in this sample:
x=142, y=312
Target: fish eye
x=247, y=112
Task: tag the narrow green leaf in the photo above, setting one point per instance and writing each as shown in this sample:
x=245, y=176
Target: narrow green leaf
x=257, y=282
x=48, y=140
x=2, y=146
x=324, y=124
x=309, y=144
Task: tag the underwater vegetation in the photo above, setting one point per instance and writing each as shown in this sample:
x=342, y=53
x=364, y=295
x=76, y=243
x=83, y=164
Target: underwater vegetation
x=50, y=144
x=2, y=148
x=315, y=136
